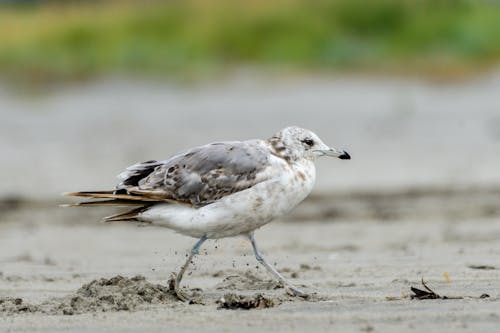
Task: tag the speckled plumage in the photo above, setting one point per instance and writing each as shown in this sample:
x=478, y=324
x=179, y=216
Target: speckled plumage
x=221, y=189
x=201, y=175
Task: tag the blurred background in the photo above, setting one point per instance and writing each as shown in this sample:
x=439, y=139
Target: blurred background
x=409, y=88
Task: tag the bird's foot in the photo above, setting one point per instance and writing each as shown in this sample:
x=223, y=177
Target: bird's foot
x=173, y=285
x=295, y=292
x=182, y=296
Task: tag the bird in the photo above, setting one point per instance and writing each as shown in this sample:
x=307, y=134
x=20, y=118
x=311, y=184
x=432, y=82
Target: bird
x=221, y=189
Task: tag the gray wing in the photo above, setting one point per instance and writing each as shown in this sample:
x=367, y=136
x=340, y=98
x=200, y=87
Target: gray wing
x=200, y=175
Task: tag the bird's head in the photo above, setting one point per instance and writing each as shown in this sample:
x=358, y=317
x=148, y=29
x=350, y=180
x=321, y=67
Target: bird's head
x=294, y=143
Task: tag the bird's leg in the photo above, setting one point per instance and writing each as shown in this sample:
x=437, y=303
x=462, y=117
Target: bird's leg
x=177, y=278
x=294, y=291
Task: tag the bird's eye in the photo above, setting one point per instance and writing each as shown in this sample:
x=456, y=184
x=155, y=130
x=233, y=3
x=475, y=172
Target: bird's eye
x=308, y=142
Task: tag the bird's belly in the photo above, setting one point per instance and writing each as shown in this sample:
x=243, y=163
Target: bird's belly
x=238, y=213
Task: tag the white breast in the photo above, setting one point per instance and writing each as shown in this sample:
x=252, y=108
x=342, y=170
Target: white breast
x=243, y=211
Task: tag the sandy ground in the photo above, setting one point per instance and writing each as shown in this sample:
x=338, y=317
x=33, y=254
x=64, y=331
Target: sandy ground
x=359, y=272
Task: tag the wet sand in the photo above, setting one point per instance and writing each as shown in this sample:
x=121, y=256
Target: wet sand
x=359, y=272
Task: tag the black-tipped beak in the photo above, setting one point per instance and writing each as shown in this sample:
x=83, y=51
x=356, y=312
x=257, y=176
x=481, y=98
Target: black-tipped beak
x=345, y=155
x=342, y=154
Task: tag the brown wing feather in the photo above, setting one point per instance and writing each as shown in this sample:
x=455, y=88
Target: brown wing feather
x=143, y=196
x=110, y=202
x=116, y=200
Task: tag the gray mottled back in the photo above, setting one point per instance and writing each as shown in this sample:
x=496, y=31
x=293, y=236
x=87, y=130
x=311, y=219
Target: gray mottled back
x=200, y=175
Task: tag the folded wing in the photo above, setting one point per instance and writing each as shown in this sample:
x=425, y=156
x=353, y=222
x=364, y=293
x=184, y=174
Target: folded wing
x=196, y=177
x=199, y=176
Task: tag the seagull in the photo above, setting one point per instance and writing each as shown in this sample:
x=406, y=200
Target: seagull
x=222, y=189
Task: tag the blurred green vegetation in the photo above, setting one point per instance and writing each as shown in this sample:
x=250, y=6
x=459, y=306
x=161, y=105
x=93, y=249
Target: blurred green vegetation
x=74, y=40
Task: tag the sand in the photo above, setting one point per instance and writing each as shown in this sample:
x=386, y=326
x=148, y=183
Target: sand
x=75, y=274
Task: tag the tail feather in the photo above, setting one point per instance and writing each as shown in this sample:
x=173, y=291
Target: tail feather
x=131, y=215
x=113, y=198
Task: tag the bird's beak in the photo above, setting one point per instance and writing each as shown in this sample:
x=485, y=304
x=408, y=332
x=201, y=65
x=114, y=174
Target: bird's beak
x=342, y=154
